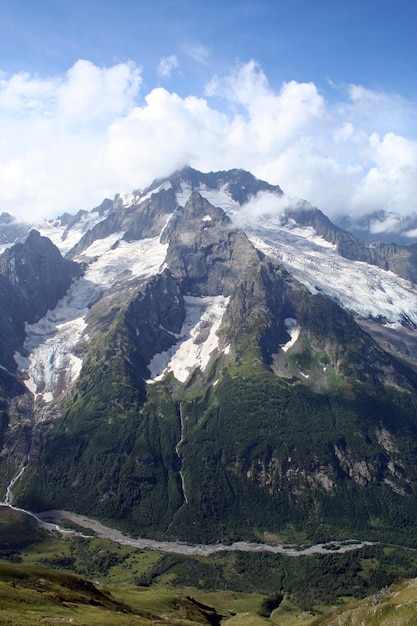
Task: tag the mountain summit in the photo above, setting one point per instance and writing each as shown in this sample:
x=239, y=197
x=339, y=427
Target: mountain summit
x=206, y=359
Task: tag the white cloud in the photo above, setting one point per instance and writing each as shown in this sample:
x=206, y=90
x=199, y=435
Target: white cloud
x=391, y=181
x=390, y=223
x=22, y=93
x=266, y=205
x=70, y=140
x=90, y=93
x=54, y=134
x=167, y=65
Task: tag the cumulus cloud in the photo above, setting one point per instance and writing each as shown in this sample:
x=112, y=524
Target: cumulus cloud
x=267, y=206
x=68, y=141
x=54, y=136
x=167, y=65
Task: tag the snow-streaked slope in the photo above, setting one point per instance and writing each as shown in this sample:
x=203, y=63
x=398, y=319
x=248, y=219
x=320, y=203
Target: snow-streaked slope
x=196, y=342
x=66, y=238
x=364, y=289
x=51, y=365
x=113, y=260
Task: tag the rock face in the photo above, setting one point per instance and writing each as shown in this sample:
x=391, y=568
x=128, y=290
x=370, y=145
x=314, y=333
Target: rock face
x=33, y=277
x=154, y=318
x=206, y=252
x=36, y=269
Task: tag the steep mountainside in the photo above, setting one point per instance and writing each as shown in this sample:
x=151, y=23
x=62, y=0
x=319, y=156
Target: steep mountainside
x=402, y=260
x=225, y=365
x=33, y=278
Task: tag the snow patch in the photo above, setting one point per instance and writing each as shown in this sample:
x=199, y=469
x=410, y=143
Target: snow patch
x=199, y=339
x=184, y=194
x=163, y=187
x=113, y=259
x=221, y=198
x=128, y=198
x=293, y=329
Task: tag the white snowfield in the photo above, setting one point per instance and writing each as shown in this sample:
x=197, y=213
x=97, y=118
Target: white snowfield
x=366, y=290
x=51, y=365
x=65, y=239
x=196, y=342
x=112, y=260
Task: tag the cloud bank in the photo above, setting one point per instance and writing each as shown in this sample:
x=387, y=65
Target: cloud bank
x=69, y=141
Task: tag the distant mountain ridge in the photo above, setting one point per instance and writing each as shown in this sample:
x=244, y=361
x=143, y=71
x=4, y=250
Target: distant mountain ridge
x=206, y=360
x=383, y=226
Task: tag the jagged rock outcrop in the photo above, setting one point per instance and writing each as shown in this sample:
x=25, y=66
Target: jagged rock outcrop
x=38, y=273
x=240, y=184
x=206, y=252
x=154, y=318
x=136, y=221
x=33, y=277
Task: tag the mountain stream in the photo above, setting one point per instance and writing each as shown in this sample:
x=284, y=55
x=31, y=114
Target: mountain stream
x=178, y=453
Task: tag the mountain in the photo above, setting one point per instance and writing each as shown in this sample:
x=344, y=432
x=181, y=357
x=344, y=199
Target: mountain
x=385, y=226
x=207, y=360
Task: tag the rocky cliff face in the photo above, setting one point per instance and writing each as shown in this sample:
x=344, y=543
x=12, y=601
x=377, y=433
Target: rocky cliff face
x=33, y=277
x=206, y=252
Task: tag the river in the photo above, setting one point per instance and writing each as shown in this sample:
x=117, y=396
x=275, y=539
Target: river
x=49, y=520
x=177, y=547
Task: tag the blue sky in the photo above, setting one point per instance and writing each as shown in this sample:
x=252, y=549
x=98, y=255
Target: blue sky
x=319, y=96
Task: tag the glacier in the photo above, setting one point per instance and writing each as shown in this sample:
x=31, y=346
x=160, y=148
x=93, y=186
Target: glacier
x=51, y=364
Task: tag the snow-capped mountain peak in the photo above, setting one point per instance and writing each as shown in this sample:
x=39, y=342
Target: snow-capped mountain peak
x=125, y=241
